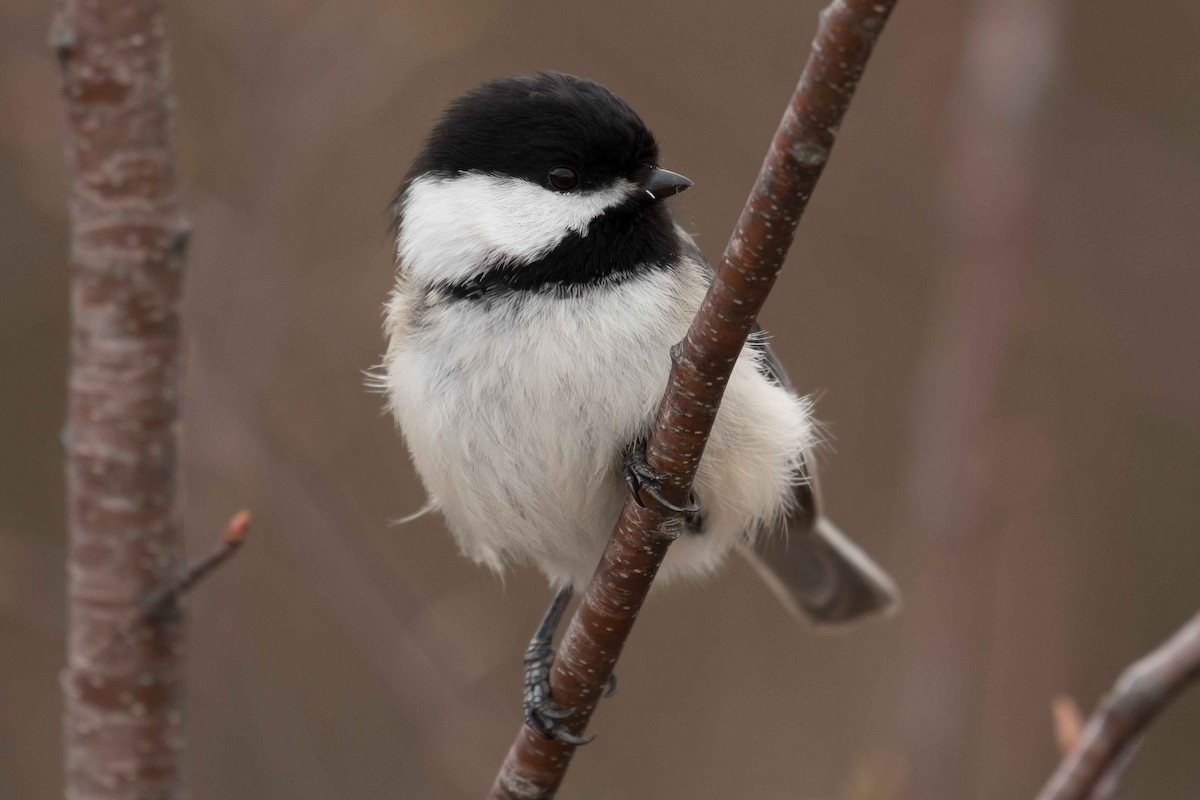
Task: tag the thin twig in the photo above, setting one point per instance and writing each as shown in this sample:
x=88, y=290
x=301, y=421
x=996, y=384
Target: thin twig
x=161, y=605
x=1111, y=735
x=165, y=598
x=1110, y=784
x=701, y=365
x=1068, y=733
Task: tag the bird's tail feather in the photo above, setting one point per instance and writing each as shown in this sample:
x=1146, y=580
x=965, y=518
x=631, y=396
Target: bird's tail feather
x=822, y=577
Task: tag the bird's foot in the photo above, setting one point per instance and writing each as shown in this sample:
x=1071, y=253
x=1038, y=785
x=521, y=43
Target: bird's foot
x=541, y=714
x=641, y=477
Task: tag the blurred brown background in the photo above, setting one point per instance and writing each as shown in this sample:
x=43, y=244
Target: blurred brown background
x=994, y=293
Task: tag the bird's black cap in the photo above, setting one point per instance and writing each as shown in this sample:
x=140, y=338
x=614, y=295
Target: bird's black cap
x=526, y=125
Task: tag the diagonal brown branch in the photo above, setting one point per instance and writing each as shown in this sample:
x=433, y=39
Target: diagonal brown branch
x=1068, y=733
x=1141, y=693
x=701, y=364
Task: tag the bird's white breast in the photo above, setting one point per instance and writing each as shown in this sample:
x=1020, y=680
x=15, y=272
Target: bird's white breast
x=518, y=408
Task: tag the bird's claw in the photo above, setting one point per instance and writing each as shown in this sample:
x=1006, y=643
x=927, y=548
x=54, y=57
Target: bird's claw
x=641, y=477
x=541, y=714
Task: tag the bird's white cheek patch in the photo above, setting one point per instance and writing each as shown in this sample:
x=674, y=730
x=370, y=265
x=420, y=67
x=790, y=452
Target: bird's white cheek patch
x=454, y=228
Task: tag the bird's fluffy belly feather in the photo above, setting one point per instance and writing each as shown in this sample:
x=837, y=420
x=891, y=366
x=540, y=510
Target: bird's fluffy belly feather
x=518, y=409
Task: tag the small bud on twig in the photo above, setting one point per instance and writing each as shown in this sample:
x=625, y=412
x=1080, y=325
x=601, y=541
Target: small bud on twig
x=163, y=599
x=1068, y=724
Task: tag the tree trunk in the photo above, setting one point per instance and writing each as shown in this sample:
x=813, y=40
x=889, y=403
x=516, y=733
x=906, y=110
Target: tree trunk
x=122, y=686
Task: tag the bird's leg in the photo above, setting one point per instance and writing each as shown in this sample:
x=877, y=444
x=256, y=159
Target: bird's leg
x=642, y=477
x=541, y=714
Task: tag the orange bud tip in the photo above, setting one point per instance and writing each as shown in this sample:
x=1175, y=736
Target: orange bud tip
x=1068, y=724
x=239, y=526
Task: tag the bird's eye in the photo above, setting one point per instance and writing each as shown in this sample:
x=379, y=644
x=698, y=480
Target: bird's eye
x=563, y=179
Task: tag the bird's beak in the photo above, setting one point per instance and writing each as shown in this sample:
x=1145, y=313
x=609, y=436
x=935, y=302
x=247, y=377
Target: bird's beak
x=662, y=183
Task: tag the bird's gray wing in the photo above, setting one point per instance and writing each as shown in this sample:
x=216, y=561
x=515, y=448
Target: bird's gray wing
x=814, y=569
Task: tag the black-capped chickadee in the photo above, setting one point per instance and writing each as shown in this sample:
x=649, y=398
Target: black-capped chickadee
x=541, y=285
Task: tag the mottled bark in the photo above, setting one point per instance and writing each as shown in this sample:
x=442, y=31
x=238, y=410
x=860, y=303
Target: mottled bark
x=702, y=363
x=122, y=685
x=1140, y=695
